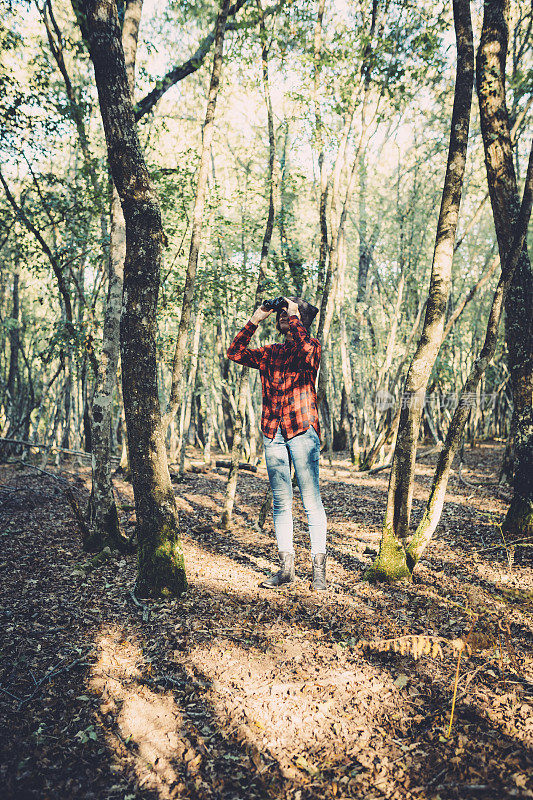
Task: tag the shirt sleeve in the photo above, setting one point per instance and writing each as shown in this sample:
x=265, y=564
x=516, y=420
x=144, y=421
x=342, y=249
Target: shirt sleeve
x=239, y=351
x=309, y=348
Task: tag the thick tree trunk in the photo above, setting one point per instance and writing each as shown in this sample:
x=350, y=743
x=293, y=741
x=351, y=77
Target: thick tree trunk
x=103, y=515
x=431, y=517
x=161, y=570
x=495, y=129
x=176, y=390
x=391, y=561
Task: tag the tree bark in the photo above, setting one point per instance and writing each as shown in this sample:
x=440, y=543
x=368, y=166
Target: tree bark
x=503, y=190
x=391, y=561
x=161, y=570
x=103, y=515
x=189, y=394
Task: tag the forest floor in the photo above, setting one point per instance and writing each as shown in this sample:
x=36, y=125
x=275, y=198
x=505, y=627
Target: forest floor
x=237, y=692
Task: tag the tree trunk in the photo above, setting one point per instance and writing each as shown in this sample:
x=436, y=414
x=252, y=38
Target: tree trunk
x=189, y=395
x=319, y=135
x=86, y=410
x=351, y=422
x=236, y=450
x=176, y=391
x=161, y=570
x=338, y=214
x=391, y=561
x=495, y=129
x=224, y=409
x=13, y=377
x=67, y=404
x=103, y=515
x=434, y=506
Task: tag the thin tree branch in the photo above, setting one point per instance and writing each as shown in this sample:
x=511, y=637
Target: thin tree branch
x=178, y=73
x=58, y=271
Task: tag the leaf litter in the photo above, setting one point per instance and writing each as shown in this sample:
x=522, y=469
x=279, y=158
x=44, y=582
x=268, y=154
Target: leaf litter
x=237, y=692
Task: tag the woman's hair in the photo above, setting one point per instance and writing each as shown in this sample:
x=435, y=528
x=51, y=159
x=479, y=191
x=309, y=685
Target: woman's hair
x=307, y=312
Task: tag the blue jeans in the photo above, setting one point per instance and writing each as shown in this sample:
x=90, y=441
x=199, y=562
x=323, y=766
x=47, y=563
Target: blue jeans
x=303, y=451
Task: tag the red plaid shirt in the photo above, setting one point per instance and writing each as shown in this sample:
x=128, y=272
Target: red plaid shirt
x=288, y=374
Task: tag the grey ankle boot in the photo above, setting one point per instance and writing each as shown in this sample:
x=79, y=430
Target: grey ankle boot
x=285, y=574
x=319, y=572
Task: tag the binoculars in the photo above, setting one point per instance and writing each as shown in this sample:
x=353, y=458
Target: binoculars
x=274, y=305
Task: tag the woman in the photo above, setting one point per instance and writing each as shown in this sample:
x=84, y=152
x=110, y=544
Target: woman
x=290, y=427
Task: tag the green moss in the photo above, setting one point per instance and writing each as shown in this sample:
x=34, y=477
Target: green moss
x=390, y=565
x=161, y=566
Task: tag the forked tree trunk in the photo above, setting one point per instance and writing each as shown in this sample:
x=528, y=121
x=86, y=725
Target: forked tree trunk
x=504, y=197
x=161, y=570
x=391, y=561
x=103, y=515
x=434, y=506
x=176, y=390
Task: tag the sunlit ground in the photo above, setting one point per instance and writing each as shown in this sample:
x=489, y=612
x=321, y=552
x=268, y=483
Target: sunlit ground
x=237, y=692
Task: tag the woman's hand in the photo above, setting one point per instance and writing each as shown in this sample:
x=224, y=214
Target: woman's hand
x=259, y=315
x=292, y=308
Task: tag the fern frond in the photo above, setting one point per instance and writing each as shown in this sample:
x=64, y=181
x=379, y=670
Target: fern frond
x=415, y=645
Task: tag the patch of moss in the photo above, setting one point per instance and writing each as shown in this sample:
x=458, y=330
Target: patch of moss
x=390, y=565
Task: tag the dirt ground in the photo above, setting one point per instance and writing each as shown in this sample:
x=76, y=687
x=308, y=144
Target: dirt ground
x=238, y=692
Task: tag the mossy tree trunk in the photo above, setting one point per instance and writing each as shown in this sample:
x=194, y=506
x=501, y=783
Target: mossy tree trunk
x=391, y=563
x=161, y=570
x=504, y=197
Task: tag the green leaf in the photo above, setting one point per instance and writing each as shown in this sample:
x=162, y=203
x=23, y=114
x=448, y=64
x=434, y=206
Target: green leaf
x=306, y=765
x=401, y=681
